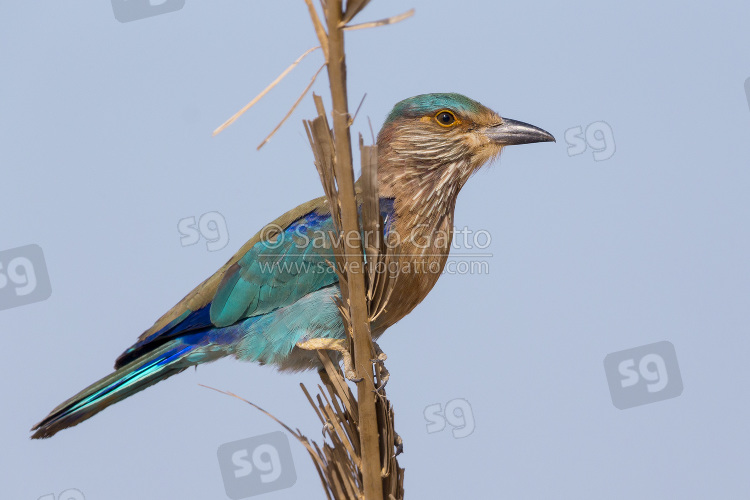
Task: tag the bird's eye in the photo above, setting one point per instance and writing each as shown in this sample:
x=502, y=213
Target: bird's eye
x=445, y=118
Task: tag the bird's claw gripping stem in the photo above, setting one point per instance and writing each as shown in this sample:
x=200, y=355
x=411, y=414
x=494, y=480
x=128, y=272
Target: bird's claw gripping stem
x=398, y=444
x=380, y=359
x=380, y=356
x=340, y=346
x=337, y=345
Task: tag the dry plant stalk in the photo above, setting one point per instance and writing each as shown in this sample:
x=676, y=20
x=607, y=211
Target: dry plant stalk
x=354, y=306
x=381, y=22
x=265, y=91
x=339, y=463
x=360, y=459
x=345, y=468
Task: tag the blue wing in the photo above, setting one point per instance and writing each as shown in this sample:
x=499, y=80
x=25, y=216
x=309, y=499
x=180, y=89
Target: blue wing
x=268, y=275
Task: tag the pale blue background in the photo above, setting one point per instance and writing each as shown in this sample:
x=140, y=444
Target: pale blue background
x=105, y=144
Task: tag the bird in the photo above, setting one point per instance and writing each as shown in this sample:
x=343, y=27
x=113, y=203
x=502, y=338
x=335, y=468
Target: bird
x=274, y=301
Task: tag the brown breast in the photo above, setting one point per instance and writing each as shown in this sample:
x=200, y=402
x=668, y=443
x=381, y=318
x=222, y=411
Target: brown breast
x=422, y=254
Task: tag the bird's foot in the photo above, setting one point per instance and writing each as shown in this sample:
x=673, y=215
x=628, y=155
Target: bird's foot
x=383, y=381
x=328, y=427
x=380, y=358
x=384, y=376
x=337, y=345
x=399, y=445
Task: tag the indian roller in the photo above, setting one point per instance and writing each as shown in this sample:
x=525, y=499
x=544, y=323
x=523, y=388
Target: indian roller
x=274, y=301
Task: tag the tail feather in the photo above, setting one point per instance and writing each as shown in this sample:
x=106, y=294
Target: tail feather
x=137, y=375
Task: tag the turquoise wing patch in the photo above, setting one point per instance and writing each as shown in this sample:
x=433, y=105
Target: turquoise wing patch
x=277, y=272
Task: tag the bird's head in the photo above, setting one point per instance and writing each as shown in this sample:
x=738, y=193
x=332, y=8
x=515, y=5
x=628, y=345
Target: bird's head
x=443, y=139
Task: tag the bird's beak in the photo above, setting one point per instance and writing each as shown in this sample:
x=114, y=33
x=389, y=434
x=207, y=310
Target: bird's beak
x=512, y=132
